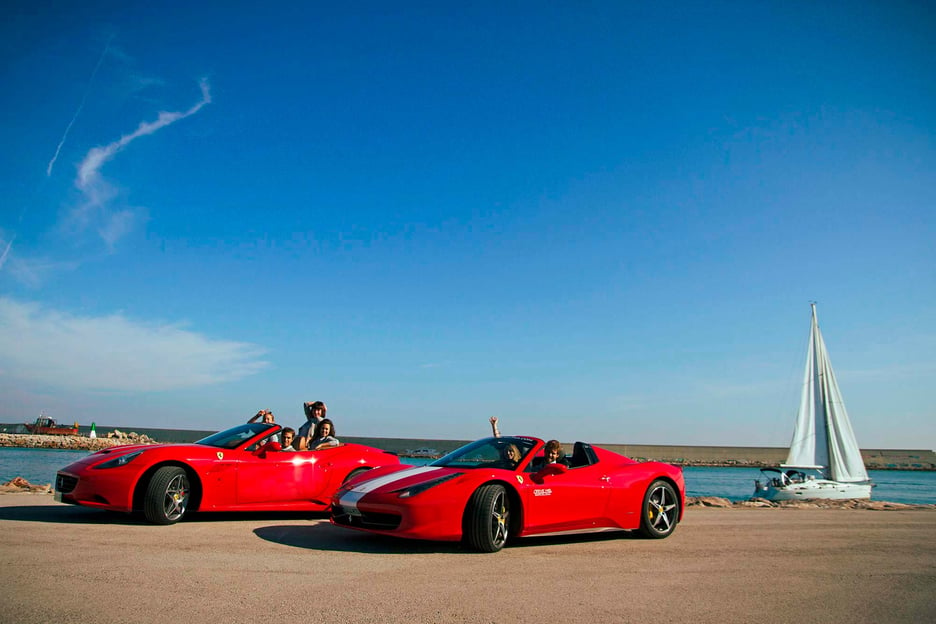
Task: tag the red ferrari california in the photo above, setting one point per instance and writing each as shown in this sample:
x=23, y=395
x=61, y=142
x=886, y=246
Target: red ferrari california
x=232, y=470
x=498, y=488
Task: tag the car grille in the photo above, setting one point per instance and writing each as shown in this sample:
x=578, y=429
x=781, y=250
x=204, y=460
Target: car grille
x=65, y=483
x=366, y=520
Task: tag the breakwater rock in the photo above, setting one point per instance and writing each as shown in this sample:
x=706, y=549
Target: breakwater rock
x=760, y=503
x=73, y=443
x=19, y=484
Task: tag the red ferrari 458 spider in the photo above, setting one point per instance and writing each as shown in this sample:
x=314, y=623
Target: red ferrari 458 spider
x=496, y=488
x=232, y=470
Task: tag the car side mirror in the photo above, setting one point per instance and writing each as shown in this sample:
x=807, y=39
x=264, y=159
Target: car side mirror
x=549, y=470
x=269, y=446
x=554, y=469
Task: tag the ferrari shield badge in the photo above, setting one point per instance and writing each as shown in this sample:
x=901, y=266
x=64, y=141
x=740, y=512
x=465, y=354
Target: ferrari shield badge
x=220, y=455
x=520, y=479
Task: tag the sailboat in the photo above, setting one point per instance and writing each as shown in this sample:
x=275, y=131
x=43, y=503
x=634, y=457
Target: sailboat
x=824, y=459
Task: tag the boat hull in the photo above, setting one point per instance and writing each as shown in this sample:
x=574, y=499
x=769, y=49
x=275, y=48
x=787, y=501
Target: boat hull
x=813, y=489
x=51, y=430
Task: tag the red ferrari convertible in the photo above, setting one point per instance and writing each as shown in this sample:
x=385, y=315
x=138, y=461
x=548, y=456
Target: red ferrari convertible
x=496, y=488
x=232, y=470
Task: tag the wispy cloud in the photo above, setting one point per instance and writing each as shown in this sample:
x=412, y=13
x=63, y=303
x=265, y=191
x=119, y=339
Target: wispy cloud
x=89, y=170
x=32, y=271
x=98, y=210
x=115, y=353
x=29, y=271
x=98, y=193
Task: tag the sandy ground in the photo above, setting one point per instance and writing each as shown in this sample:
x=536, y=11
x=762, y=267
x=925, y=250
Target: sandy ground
x=60, y=563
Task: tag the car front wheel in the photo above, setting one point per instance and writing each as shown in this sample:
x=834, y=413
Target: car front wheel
x=487, y=518
x=660, y=511
x=167, y=496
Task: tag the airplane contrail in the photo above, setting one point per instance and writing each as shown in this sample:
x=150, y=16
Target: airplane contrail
x=80, y=107
x=97, y=156
x=6, y=252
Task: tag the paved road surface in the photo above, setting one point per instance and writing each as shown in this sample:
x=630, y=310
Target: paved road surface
x=68, y=564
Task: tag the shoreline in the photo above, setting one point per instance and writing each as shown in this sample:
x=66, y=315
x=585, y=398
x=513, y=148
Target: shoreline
x=19, y=485
x=716, y=455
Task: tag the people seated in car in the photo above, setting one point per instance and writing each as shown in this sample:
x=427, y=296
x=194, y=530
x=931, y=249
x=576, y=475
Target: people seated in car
x=269, y=444
x=511, y=455
x=268, y=418
x=315, y=413
x=289, y=436
x=553, y=462
x=266, y=415
x=552, y=454
x=323, y=437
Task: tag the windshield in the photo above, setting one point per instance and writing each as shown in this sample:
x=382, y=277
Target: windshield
x=235, y=436
x=505, y=453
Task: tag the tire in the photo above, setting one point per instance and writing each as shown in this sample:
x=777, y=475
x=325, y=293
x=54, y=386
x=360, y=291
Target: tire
x=167, y=496
x=487, y=519
x=660, y=511
x=354, y=473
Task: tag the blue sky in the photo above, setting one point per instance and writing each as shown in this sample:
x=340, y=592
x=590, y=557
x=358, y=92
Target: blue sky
x=597, y=221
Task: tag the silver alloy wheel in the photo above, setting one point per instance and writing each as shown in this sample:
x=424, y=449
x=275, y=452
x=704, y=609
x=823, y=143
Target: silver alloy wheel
x=500, y=519
x=177, y=495
x=487, y=518
x=662, y=508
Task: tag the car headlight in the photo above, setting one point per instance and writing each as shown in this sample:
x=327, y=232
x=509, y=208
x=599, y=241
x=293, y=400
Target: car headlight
x=123, y=460
x=419, y=488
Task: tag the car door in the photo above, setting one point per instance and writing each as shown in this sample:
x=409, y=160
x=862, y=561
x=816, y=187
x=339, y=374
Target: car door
x=576, y=499
x=218, y=473
x=276, y=477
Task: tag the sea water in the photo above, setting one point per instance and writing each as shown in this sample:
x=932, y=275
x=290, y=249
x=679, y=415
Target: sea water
x=38, y=466
x=737, y=484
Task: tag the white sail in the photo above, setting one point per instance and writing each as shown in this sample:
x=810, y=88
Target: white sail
x=823, y=436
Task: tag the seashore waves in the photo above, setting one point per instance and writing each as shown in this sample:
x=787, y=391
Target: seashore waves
x=913, y=487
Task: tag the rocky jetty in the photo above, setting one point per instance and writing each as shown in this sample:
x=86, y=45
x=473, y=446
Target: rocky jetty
x=19, y=484
x=74, y=443
x=873, y=505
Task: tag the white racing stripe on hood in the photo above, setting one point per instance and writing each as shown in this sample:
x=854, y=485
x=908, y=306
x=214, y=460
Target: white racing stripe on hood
x=349, y=499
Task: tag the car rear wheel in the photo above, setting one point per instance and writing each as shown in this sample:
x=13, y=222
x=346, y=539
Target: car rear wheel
x=487, y=518
x=167, y=496
x=660, y=511
x=354, y=473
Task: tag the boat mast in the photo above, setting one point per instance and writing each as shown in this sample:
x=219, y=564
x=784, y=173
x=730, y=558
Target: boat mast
x=821, y=388
x=842, y=459
x=821, y=395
